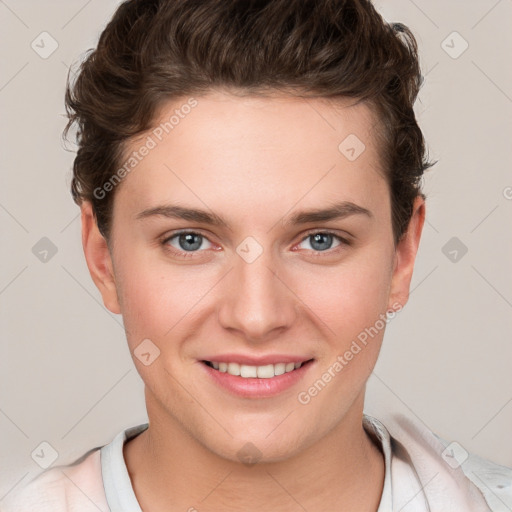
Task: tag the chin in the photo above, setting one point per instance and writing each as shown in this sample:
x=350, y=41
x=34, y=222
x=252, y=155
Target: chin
x=264, y=445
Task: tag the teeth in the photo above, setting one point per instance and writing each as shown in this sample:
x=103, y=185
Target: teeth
x=262, y=372
x=233, y=368
x=249, y=371
x=279, y=368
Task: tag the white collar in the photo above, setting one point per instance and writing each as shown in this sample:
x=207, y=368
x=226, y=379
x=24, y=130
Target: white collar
x=416, y=478
x=121, y=496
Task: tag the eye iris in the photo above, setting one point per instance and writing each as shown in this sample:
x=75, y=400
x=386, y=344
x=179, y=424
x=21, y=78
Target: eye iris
x=321, y=241
x=187, y=243
x=192, y=241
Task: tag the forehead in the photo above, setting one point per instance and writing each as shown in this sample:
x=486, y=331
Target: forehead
x=253, y=152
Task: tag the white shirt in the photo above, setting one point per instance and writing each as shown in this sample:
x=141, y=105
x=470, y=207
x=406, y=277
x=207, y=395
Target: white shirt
x=418, y=477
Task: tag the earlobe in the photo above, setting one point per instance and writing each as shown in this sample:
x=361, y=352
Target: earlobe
x=405, y=257
x=98, y=258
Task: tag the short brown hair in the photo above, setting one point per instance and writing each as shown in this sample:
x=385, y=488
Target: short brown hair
x=155, y=50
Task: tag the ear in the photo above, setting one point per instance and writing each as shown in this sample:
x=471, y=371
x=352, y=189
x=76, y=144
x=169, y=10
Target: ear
x=98, y=259
x=405, y=256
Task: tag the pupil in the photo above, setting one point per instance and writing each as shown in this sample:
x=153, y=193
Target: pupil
x=188, y=238
x=192, y=241
x=321, y=241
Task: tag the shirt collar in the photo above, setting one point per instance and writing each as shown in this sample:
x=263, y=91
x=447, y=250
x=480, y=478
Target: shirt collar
x=121, y=496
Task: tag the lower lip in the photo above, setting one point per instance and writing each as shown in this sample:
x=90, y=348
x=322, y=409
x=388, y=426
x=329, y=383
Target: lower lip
x=254, y=387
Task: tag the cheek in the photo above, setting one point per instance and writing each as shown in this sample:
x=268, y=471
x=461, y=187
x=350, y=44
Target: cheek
x=350, y=297
x=146, y=299
x=351, y=301
x=158, y=300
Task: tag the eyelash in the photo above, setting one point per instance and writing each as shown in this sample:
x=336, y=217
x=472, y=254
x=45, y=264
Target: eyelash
x=190, y=254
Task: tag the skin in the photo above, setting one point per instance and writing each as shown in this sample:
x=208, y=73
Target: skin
x=254, y=161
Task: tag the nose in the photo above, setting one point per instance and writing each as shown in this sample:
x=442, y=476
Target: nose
x=257, y=302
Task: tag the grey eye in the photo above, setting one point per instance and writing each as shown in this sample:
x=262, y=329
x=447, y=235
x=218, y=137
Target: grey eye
x=320, y=241
x=188, y=242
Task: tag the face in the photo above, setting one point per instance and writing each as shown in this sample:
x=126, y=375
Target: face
x=220, y=255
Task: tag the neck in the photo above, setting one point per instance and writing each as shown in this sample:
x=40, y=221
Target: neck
x=171, y=471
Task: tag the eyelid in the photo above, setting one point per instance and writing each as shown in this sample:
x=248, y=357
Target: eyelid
x=313, y=231
x=178, y=253
x=344, y=240
x=176, y=232
x=166, y=238
x=327, y=231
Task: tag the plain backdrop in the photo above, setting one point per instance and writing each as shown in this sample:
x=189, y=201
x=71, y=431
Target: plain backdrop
x=66, y=374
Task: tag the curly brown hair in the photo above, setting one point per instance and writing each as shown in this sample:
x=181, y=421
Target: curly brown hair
x=153, y=51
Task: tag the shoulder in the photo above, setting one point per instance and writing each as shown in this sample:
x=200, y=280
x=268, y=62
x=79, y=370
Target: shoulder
x=493, y=480
x=447, y=472
x=67, y=488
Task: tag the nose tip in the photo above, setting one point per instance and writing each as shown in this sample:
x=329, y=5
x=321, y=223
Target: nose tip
x=256, y=302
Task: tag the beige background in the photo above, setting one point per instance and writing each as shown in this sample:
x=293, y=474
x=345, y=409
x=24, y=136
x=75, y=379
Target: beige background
x=66, y=374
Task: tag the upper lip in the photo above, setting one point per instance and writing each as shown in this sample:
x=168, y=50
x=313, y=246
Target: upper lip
x=257, y=360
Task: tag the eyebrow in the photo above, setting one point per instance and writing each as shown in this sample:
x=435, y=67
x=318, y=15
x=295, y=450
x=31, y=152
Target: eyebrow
x=336, y=211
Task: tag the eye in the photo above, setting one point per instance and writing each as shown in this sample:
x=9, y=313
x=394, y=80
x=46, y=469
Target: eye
x=186, y=242
x=322, y=241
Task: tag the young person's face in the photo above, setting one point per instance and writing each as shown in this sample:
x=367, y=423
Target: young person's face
x=258, y=286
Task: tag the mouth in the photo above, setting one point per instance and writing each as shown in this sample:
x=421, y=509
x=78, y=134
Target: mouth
x=267, y=371
x=256, y=381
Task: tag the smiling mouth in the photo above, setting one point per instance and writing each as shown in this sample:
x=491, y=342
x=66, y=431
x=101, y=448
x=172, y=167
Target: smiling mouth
x=266, y=371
